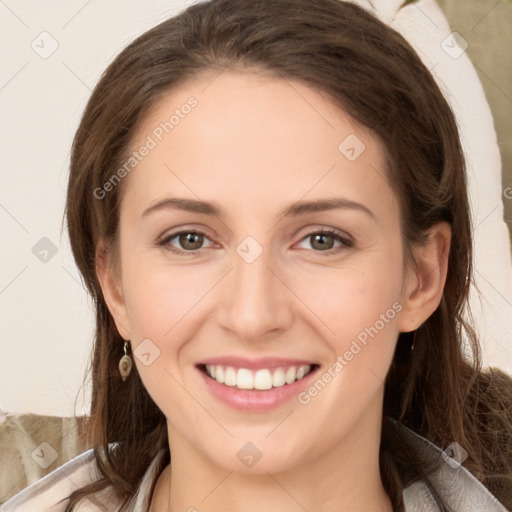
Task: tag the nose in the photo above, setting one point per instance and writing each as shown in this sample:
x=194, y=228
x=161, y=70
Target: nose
x=256, y=300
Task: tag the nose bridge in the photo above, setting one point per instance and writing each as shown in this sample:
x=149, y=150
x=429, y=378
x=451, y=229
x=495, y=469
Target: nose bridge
x=255, y=301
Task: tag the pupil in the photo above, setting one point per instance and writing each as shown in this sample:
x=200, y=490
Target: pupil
x=321, y=240
x=189, y=238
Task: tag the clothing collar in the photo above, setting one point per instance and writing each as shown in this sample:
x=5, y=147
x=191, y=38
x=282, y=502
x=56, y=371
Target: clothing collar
x=451, y=481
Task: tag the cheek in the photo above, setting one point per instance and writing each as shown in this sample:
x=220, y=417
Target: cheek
x=348, y=299
x=362, y=317
x=158, y=296
x=359, y=307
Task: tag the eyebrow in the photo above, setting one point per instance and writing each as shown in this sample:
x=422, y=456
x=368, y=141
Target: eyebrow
x=293, y=210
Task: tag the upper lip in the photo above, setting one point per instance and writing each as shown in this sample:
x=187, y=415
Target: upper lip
x=254, y=363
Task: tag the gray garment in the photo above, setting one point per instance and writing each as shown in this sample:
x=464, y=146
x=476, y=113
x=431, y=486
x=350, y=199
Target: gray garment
x=454, y=483
x=458, y=488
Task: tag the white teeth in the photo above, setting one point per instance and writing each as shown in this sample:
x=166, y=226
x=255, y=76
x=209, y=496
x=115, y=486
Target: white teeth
x=217, y=373
x=278, y=379
x=230, y=377
x=290, y=375
x=262, y=379
x=244, y=379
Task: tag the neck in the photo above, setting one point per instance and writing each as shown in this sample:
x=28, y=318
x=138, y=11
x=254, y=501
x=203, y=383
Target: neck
x=347, y=477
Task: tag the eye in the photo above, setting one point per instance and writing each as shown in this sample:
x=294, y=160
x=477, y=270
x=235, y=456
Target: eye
x=323, y=241
x=190, y=241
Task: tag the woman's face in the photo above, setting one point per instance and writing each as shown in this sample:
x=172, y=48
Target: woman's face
x=259, y=287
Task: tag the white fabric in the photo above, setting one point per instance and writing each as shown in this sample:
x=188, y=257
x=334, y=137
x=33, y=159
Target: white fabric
x=424, y=25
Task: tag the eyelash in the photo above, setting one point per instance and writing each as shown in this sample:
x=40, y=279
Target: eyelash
x=165, y=242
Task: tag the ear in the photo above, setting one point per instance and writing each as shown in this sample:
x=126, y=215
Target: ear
x=425, y=280
x=111, y=286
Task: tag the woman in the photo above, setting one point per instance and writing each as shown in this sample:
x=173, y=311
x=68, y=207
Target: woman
x=267, y=201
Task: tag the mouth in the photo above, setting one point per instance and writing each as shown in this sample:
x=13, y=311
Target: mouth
x=255, y=385
x=261, y=379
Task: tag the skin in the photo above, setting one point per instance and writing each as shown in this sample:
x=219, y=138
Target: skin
x=255, y=144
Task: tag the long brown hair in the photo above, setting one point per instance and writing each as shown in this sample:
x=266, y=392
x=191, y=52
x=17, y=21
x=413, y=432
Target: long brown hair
x=373, y=74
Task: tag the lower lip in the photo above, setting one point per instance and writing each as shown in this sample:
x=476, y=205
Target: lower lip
x=255, y=400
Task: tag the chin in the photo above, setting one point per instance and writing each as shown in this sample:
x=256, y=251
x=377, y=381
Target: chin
x=259, y=457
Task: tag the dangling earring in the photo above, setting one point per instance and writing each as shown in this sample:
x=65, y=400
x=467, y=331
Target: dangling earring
x=413, y=340
x=125, y=364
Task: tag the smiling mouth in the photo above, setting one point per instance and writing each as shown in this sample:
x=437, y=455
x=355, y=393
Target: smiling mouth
x=262, y=379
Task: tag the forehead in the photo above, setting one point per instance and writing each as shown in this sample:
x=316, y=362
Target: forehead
x=247, y=138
